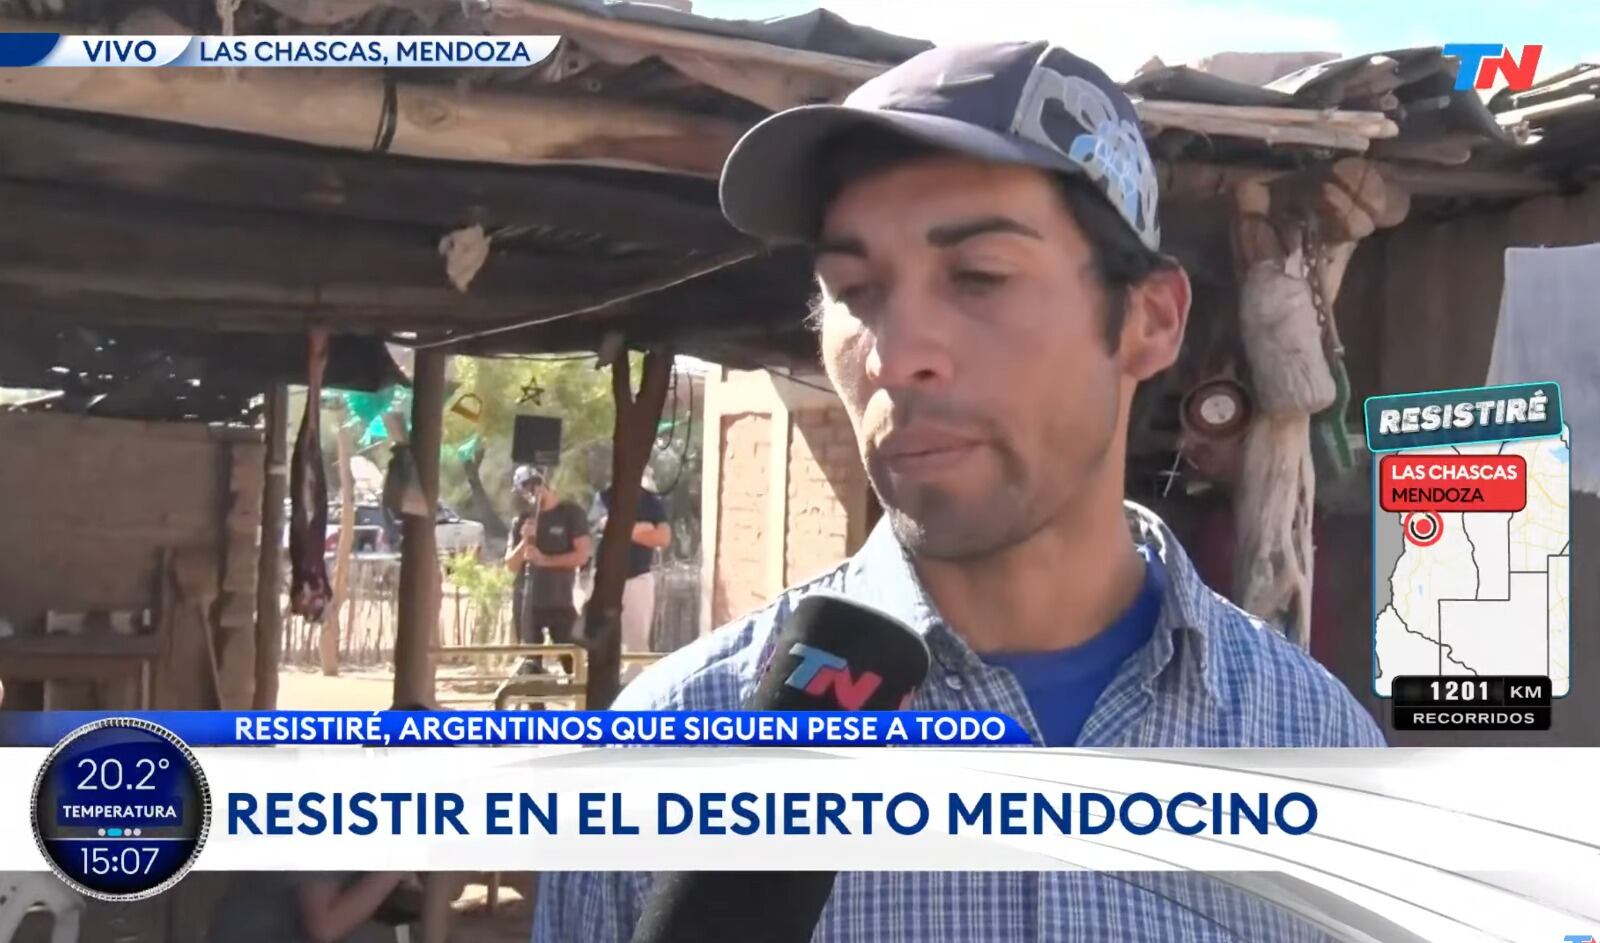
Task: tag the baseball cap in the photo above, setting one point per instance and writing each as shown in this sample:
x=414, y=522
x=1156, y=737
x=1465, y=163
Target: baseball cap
x=525, y=477
x=1031, y=103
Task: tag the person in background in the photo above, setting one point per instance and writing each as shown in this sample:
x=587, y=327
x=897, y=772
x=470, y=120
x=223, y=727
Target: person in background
x=548, y=543
x=311, y=907
x=317, y=906
x=650, y=533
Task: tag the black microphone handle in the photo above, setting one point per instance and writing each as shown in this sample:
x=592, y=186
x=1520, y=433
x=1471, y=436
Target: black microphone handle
x=727, y=898
x=785, y=906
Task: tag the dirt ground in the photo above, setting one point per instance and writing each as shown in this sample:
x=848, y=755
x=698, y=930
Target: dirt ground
x=308, y=689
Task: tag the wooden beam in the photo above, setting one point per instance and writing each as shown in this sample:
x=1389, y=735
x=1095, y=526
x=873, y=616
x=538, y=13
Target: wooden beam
x=699, y=268
x=159, y=161
x=1331, y=128
x=536, y=16
x=1369, y=124
x=269, y=574
x=333, y=622
x=346, y=108
x=417, y=621
x=1571, y=106
x=1463, y=182
x=1188, y=181
x=720, y=304
x=1451, y=148
x=60, y=244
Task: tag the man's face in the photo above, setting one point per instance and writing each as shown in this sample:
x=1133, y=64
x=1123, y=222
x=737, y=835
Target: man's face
x=963, y=326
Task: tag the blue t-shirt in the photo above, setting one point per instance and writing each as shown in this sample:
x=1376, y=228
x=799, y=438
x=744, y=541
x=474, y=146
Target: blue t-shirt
x=1062, y=686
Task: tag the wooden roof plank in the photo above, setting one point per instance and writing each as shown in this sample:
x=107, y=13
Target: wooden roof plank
x=73, y=248
x=345, y=108
x=147, y=159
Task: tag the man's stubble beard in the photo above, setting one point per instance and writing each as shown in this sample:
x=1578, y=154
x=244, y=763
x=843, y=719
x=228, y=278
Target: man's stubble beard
x=933, y=524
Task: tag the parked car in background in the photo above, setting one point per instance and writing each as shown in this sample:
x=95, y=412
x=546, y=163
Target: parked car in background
x=456, y=535
x=377, y=531
x=373, y=532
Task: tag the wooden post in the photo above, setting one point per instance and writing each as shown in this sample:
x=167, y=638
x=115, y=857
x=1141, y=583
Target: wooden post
x=331, y=630
x=417, y=626
x=269, y=576
x=633, y=434
x=438, y=890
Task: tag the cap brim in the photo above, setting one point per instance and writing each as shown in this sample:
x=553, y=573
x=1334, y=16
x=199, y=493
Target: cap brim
x=772, y=187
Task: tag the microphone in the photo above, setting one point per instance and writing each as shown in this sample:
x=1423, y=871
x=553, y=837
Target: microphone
x=834, y=654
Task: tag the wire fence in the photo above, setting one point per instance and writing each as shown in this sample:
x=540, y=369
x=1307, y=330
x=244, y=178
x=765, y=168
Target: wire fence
x=472, y=611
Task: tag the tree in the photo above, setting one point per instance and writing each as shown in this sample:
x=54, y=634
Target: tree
x=475, y=469
x=477, y=472
x=637, y=417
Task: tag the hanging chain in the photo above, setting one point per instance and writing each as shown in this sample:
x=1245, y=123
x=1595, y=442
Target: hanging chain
x=1311, y=249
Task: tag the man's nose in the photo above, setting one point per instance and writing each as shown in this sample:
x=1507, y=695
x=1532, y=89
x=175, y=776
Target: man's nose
x=912, y=343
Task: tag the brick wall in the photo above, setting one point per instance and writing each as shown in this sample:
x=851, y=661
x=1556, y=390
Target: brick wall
x=826, y=491
x=88, y=507
x=741, y=561
x=787, y=500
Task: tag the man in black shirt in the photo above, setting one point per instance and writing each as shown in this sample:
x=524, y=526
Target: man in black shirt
x=650, y=533
x=547, y=546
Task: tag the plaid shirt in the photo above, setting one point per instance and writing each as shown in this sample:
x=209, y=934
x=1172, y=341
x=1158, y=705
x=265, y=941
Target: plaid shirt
x=1211, y=676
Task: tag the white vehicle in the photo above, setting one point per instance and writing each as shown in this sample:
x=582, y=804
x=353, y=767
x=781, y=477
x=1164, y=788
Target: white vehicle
x=455, y=534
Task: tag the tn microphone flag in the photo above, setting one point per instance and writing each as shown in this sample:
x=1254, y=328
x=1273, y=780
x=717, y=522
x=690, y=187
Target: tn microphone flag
x=59, y=50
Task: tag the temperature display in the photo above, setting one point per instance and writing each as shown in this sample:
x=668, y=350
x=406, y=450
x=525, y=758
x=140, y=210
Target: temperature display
x=121, y=809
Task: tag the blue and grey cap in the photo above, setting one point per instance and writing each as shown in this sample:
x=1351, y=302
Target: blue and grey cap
x=1017, y=103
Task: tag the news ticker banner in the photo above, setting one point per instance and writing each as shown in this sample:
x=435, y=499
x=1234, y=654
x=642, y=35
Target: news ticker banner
x=47, y=50
x=1471, y=556
x=539, y=728
x=123, y=807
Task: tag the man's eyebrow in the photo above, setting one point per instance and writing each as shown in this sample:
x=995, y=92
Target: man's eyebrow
x=950, y=234
x=840, y=245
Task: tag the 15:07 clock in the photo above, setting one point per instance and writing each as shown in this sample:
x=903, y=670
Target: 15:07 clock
x=121, y=809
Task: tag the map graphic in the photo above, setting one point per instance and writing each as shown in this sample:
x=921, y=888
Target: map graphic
x=1478, y=592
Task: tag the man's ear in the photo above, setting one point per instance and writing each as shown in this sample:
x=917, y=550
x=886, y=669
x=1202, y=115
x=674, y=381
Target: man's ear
x=1152, y=331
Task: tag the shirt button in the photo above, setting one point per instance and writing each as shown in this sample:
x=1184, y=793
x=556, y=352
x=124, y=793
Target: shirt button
x=953, y=682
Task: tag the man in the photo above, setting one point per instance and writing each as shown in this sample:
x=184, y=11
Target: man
x=548, y=543
x=310, y=907
x=650, y=533
x=991, y=293
x=318, y=906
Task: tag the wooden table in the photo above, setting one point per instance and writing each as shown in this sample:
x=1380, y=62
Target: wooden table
x=96, y=658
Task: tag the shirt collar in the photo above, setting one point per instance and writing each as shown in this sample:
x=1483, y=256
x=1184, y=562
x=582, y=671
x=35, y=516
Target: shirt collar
x=881, y=574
